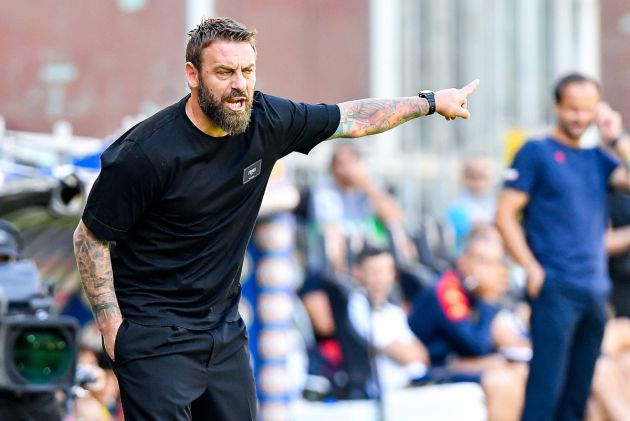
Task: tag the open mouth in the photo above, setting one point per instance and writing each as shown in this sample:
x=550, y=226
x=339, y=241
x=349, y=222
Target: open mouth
x=236, y=103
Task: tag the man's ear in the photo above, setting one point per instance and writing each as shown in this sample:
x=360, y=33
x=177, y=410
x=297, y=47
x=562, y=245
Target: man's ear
x=192, y=75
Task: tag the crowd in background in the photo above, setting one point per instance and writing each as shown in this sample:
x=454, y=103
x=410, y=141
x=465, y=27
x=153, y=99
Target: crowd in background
x=390, y=308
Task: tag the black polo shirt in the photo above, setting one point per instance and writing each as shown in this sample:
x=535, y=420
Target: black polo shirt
x=179, y=206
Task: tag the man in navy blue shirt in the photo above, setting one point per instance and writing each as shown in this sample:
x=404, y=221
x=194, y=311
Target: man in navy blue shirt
x=560, y=190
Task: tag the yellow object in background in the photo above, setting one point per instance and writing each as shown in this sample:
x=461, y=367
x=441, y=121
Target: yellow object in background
x=514, y=139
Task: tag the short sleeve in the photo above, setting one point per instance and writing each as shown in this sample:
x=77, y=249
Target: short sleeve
x=304, y=125
x=312, y=282
x=522, y=173
x=125, y=187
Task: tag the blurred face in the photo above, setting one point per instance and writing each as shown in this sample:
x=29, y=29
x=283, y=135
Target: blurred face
x=477, y=176
x=377, y=274
x=576, y=109
x=225, y=84
x=344, y=166
x=485, y=262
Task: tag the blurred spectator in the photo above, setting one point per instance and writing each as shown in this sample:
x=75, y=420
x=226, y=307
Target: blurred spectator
x=345, y=214
x=326, y=356
x=351, y=208
x=609, y=123
x=610, y=399
x=99, y=399
x=92, y=380
x=399, y=357
x=476, y=202
x=614, y=366
x=458, y=322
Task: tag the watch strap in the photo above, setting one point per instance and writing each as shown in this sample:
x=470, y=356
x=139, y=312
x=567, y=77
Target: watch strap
x=430, y=97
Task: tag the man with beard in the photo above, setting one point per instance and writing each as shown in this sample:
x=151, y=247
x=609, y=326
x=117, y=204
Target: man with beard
x=163, y=235
x=560, y=189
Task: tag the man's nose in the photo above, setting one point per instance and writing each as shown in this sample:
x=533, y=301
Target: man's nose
x=239, y=82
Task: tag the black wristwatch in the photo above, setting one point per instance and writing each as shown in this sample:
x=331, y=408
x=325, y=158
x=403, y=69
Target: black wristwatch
x=430, y=97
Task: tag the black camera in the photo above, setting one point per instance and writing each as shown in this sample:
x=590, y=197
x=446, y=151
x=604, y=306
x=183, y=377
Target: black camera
x=38, y=350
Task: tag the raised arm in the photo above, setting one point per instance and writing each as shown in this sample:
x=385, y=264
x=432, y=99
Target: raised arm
x=365, y=117
x=95, y=268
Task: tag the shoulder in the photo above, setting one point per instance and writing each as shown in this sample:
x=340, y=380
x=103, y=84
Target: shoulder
x=358, y=302
x=452, y=297
x=535, y=145
x=605, y=155
x=148, y=140
x=155, y=127
x=527, y=161
x=270, y=106
x=279, y=109
x=358, y=308
x=271, y=114
x=394, y=313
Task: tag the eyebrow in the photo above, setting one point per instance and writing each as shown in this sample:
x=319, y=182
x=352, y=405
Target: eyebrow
x=226, y=67
x=223, y=67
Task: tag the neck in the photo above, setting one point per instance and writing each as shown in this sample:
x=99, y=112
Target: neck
x=200, y=119
x=565, y=139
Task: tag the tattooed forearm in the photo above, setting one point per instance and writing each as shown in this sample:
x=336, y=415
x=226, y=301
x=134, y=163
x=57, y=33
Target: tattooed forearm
x=370, y=116
x=95, y=268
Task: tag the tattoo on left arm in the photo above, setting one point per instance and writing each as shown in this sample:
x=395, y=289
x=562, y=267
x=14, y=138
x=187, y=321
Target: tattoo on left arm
x=370, y=116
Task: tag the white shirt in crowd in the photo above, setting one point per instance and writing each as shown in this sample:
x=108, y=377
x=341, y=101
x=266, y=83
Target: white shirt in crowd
x=388, y=324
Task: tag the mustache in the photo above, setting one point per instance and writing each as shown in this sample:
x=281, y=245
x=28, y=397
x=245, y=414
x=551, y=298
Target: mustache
x=235, y=94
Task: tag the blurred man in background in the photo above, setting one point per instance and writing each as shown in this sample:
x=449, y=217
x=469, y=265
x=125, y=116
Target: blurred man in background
x=162, y=238
x=475, y=203
x=352, y=207
x=344, y=215
x=458, y=322
x=560, y=190
x=400, y=356
x=614, y=139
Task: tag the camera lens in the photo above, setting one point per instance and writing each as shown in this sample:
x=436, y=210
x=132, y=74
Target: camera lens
x=42, y=356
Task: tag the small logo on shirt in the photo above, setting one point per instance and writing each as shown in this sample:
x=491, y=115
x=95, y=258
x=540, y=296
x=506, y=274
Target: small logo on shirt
x=510, y=174
x=252, y=171
x=560, y=157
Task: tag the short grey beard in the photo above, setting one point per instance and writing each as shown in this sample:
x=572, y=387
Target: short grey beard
x=231, y=122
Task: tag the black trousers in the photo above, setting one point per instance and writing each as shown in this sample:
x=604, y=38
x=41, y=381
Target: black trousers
x=29, y=407
x=172, y=373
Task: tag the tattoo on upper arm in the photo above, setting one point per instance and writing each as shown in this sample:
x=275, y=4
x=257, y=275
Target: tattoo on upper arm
x=95, y=268
x=370, y=116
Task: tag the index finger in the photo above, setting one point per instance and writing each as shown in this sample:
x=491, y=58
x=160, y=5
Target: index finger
x=469, y=89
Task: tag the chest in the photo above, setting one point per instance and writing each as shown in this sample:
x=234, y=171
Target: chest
x=215, y=179
x=571, y=174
